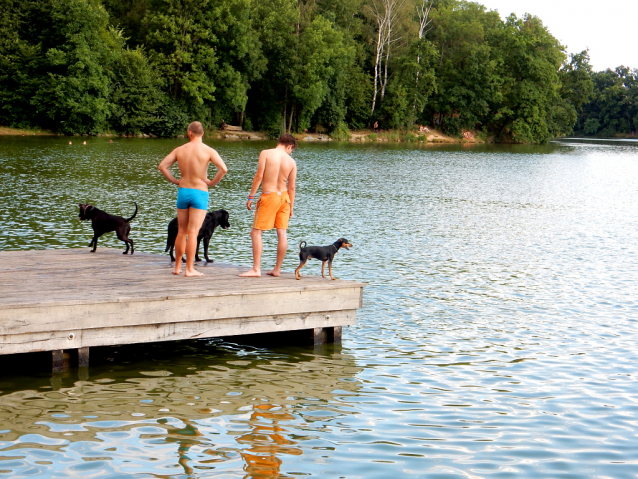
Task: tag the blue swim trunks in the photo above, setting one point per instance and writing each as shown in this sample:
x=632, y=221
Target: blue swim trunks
x=192, y=198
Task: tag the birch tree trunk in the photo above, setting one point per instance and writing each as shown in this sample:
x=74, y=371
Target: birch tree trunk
x=423, y=12
x=386, y=13
x=379, y=57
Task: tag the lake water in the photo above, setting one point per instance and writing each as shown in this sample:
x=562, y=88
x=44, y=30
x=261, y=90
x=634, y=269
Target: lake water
x=498, y=336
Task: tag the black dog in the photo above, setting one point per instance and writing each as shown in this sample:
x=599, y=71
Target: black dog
x=213, y=220
x=322, y=253
x=103, y=222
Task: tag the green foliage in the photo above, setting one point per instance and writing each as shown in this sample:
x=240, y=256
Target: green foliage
x=152, y=66
x=71, y=90
x=613, y=109
x=340, y=132
x=135, y=93
x=592, y=126
x=173, y=118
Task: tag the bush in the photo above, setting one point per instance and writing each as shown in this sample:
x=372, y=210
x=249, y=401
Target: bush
x=410, y=137
x=340, y=132
x=173, y=120
x=372, y=137
x=392, y=136
x=248, y=125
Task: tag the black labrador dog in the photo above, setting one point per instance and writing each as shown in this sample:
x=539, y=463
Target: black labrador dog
x=322, y=253
x=102, y=222
x=212, y=220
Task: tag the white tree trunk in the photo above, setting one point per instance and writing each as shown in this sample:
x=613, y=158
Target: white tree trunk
x=423, y=11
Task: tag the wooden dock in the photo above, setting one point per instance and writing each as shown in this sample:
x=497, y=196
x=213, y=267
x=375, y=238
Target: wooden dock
x=57, y=300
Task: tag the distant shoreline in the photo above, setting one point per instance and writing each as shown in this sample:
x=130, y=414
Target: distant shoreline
x=356, y=136
x=362, y=136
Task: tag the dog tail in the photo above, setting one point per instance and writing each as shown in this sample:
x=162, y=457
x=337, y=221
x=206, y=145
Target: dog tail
x=302, y=243
x=134, y=214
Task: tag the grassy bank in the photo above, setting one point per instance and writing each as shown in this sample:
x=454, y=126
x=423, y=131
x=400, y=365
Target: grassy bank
x=17, y=131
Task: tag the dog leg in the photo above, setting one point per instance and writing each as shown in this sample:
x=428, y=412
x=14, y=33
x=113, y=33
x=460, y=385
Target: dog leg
x=301, y=265
x=323, y=265
x=94, y=243
x=123, y=236
x=330, y=270
x=171, y=253
x=132, y=246
x=206, y=243
x=199, y=240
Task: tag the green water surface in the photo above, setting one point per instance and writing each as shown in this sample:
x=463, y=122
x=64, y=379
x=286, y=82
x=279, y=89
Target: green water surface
x=497, y=338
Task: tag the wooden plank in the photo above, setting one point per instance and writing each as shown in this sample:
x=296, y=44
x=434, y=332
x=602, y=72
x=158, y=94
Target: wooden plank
x=73, y=299
x=79, y=279
x=52, y=340
x=170, y=310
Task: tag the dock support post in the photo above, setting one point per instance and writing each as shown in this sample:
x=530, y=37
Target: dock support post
x=336, y=334
x=60, y=360
x=83, y=357
x=327, y=335
x=320, y=336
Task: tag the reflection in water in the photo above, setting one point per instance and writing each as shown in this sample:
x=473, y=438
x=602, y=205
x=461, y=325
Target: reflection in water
x=184, y=437
x=497, y=338
x=200, y=409
x=267, y=444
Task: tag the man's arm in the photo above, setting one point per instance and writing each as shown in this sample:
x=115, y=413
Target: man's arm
x=166, y=164
x=259, y=175
x=216, y=160
x=292, y=179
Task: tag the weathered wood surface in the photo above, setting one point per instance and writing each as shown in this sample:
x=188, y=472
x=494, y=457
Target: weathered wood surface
x=67, y=299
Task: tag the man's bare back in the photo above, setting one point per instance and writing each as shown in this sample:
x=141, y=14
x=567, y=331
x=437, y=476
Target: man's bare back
x=277, y=166
x=192, y=197
x=193, y=159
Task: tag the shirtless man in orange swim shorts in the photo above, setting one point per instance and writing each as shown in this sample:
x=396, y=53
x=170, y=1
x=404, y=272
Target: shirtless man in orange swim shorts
x=277, y=173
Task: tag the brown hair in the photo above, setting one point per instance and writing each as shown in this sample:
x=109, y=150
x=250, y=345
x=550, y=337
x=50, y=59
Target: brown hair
x=196, y=128
x=287, y=140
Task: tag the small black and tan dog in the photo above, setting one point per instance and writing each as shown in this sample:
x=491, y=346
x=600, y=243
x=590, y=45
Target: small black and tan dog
x=103, y=222
x=322, y=253
x=212, y=220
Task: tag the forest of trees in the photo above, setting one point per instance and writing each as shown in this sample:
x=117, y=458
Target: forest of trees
x=152, y=66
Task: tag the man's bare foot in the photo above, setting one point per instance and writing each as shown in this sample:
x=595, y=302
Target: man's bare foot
x=253, y=273
x=192, y=273
x=178, y=267
x=274, y=272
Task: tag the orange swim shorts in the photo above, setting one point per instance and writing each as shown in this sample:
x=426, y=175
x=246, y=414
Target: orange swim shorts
x=273, y=209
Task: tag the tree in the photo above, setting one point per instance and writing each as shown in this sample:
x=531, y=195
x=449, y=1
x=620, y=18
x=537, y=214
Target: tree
x=613, y=108
x=75, y=46
x=469, y=84
x=530, y=60
x=135, y=95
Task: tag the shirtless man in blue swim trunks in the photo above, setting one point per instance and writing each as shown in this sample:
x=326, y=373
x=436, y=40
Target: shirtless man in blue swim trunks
x=192, y=196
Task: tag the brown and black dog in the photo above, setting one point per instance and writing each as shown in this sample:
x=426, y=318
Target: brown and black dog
x=322, y=253
x=103, y=222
